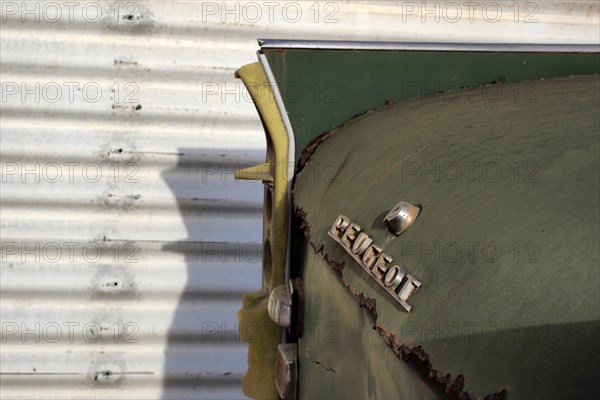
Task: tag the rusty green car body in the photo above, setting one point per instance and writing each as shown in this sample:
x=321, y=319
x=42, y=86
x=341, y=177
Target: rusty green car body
x=499, y=148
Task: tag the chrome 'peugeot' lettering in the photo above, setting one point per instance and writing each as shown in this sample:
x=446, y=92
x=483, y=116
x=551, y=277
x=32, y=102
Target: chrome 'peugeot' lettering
x=392, y=278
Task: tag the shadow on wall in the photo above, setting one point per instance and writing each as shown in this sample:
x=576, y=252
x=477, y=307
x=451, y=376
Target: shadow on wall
x=204, y=358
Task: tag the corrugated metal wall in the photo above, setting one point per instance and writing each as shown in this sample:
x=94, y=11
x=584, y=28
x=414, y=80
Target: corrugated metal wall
x=126, y=243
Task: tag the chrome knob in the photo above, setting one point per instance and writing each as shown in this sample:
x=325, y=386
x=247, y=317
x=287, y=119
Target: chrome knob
x=401, y=217
x=280, y=306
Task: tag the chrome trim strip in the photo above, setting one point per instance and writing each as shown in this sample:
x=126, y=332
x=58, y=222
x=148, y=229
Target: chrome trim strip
x=284, y=116
x=413, y=46
x=291, y=167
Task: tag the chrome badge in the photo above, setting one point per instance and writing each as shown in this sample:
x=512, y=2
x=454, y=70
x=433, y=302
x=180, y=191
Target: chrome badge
x=393, y=278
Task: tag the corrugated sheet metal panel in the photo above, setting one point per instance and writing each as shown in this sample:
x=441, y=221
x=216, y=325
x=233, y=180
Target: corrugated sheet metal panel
x=126, y=150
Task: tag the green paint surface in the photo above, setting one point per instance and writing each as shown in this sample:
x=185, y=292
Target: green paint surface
x=321, y=89
x=506, y=245
x=339, y=356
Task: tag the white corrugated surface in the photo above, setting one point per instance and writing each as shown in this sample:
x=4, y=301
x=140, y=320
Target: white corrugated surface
x=178, y=237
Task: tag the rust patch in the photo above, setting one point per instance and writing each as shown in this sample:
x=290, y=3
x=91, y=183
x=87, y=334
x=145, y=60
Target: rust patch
x=368, y=303
x=316, y=142
x=280, y=52
x=363, y=301
x=416, y=357
x=304, y=227
x=501, y=395
x=312, y=146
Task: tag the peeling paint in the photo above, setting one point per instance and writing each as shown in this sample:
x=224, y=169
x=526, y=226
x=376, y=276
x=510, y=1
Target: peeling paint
x=315, y=143
x=416, y=357
x=319, y=364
